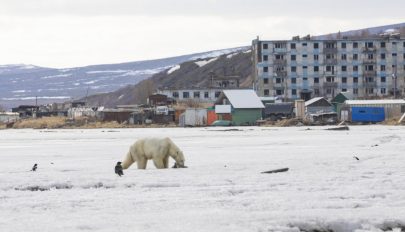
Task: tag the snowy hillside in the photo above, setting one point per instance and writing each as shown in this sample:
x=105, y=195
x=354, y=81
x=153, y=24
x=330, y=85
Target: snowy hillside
x=20, y=84
x=325, y=189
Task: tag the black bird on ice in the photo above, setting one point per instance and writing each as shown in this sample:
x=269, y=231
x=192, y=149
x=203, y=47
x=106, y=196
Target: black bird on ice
x=118, y=169
x=34, y=168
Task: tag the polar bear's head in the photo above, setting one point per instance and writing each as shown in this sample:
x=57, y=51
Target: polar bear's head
x=180, y=159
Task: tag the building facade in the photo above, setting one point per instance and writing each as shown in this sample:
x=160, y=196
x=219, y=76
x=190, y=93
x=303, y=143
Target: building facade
x=306, y=68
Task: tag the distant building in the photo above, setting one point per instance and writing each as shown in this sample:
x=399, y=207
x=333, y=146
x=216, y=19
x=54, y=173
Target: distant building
x=306, y=68
x=203, y=94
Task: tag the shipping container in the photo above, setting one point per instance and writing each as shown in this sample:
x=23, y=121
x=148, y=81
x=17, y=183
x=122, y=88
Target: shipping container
x=368, y=114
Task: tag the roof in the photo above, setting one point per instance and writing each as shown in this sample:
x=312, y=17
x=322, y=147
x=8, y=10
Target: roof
x=243, y=98
x=347, y=95
x=374, y=102
x=313, y=100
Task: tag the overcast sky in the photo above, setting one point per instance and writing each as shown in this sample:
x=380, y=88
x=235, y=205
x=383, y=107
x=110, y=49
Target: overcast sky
x=68, y=33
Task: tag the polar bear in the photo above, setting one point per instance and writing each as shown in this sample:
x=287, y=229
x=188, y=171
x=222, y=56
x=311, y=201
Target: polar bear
x=157, y=149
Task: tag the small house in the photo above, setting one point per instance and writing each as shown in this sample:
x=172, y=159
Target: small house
x=318, y=105
x=243, y=105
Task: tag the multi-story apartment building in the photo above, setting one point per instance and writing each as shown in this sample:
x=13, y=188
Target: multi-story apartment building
x=306, y=68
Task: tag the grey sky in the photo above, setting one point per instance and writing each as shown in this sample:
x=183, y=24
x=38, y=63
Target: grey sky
x=66, y=33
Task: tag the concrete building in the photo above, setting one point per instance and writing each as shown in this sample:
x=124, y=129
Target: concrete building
x=307, y=68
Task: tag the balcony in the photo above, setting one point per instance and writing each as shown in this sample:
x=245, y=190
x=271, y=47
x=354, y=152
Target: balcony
x=370, y=73
x=372, y=61
x=329, y=50
x=279, y=50
x=280, y=73
x=330, y=85
x=280, y=62
x=369, y=49
x=371, y=84
x=330, y=61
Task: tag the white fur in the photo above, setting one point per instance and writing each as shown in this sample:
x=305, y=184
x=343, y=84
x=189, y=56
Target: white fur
x=157, y=149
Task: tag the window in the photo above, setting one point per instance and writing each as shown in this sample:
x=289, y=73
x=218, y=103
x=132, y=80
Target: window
x=265, y=57
x=186, y=94
x=382, y=91
x=344, y=80
x=206, y=95
x=355, y=68
x=279, y=92
x=330, y=79
x=344, y=68
x=370, y=56
x=369, y=44
x=355, y=91
x=293, y=80
x=370, y=90
x=394, y=54
x=293, y=92
x=279, y=57
x=344, y=90
x=278, y=80
x=344, y=57
x=404, y=56
x=316, y=68
x=328, y=91
x=217, y=94
x=316, y=91
x=265, y=69
x=265, y=46
x=280, y=45
x=293, y=57
x=382, y=56
x=292, y=46
x=316, y=57
x=355, y=80
x=175, y=94
x=305, y=78
x=265, y=80
x=196, y=94
x=316, y=80
x=343, y=45
x=316, y=45
x=382, y=67
x=383, y=79
x=355, y=45
x=369, y=67
x=304, y=44
x=305, y=67
x=293, y=68
x=329, y=68
x=304, y=56
x=355, y=56
x=266, y=92
x=382, y=44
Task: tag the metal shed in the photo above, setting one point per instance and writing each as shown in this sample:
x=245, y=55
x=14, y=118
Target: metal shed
x=393, y=108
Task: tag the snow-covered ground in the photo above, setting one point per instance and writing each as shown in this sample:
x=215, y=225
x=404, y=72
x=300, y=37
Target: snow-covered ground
x=222, y=190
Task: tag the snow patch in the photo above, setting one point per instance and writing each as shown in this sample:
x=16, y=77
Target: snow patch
x=204, y=62
x=174, y=68
x=56, y=76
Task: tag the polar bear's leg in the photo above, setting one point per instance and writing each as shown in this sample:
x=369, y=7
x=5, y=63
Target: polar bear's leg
x=166, y=162
x=127, y=161
x=142, y=163
x=158, y=163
